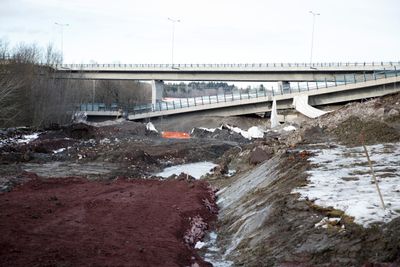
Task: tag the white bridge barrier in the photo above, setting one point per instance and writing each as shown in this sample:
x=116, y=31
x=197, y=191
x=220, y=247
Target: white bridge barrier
x=300, y=103
x=274, y=115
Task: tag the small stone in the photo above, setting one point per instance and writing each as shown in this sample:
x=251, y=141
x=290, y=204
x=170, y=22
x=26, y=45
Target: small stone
x=393, y=112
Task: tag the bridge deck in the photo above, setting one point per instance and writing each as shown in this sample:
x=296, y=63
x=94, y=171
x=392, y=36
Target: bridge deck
x=261, y=101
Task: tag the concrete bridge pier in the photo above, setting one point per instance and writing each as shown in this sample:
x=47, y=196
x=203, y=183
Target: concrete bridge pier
x=284, y=86
x=157, y=89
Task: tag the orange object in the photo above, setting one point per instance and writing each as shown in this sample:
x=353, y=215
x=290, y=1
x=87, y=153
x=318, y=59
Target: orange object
x=175, y=135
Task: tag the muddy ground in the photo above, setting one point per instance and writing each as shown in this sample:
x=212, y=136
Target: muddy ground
x=65, y=195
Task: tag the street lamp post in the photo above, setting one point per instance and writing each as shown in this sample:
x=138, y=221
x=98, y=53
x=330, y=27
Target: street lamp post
x=93, y=93
x=312, y=35
x=173, y=37
x=61, y=25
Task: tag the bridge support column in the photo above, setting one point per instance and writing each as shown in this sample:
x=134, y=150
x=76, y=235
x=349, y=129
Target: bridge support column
x=157, y=89
x=284, y=86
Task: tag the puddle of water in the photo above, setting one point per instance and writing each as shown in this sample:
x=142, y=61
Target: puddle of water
x=194, y=169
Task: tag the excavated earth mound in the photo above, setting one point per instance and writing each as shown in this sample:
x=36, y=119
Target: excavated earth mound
x=74, y=222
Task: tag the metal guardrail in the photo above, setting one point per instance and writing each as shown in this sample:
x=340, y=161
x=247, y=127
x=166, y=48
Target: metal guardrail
x=237, y=96
x=250, y=66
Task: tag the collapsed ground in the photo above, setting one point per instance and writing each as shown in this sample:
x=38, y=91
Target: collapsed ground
x=99, y=180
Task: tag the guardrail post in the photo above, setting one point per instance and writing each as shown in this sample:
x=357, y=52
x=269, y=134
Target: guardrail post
x=194, y=98
x=256, y=93
x=159, y=104
x=326, y=83
x=335, y=80
x=217, y=99
x=240, y=94
x=354, y=77
x=224, y=96
x=308, y=87
x=187, y=101
x=345, y=81
x=248, y=94
x=395, y=71
x=209, y=99
x=166, y=104
x=365, y=78
x=265, y=92
x=180, y=101
x=374, y=75
x=173, y=104
x=232, y=95
x=298, y=86
x=281, y=88
x=202, y=101
x=384, y=71
x=316, y=85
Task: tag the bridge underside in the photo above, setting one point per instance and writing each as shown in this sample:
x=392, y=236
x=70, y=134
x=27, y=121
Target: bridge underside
x=248, y=76
x=282, y=77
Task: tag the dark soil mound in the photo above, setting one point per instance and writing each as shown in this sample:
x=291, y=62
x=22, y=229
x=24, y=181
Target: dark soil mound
x=315, y=135
x=80, y=131
x=348, y=132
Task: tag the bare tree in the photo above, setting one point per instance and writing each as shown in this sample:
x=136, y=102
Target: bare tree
x=30, y=93
x=9, y=86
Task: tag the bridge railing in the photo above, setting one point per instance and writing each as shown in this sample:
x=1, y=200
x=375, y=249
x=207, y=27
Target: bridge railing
x=245, y=66
x=239, y=95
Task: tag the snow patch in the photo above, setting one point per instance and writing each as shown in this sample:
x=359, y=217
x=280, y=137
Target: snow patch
x=150, y=127
x=255, y=132
x=193, y=169
x=24, y=139
x=289, y=128
x=213, y=254
x=340, y=178
x=28, y=138
x=59, y=150
x=211, y=130
x=105, y=141
x=199, y=245
x=252, y=132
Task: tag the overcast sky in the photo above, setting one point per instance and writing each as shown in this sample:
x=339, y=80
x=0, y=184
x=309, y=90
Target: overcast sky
x=210, y=31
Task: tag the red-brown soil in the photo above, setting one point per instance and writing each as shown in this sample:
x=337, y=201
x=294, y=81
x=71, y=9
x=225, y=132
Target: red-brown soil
x=75, y=222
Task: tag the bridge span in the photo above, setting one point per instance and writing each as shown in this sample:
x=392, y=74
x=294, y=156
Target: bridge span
x=284, y=73
x=362, y=87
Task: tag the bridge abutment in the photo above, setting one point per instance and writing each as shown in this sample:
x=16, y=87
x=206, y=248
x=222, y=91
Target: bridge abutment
x=157, y=89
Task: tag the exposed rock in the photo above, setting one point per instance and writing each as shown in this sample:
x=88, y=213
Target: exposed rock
x=393, y=112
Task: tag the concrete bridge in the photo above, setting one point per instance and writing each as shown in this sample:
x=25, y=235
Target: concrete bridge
x=284, y=73
x=361, y=87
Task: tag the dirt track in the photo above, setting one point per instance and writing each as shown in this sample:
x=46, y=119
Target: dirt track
x=73, y=222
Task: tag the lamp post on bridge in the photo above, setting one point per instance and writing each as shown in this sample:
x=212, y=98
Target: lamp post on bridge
x=173, y=38
x=61, y=25
x=312, y=34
